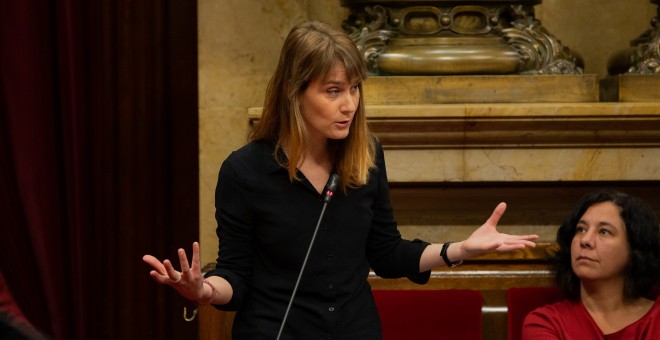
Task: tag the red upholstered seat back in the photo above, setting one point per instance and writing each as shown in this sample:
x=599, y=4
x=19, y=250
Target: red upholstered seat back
x=521, y=301
x=429, y=314
x=13, y=324
x=7, y=304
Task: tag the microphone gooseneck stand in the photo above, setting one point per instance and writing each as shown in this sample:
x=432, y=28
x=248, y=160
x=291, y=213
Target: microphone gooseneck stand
x=329, y=191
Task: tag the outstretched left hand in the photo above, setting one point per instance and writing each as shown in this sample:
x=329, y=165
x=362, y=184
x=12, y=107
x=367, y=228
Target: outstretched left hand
x=487, y=239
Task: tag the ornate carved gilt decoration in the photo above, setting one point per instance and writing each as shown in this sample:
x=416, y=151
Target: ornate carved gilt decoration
x=647, y=54
x=455, y=37
x=643, y=57
x=541, y=52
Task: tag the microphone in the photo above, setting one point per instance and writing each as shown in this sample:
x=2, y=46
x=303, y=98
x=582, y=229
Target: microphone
x=330, y=188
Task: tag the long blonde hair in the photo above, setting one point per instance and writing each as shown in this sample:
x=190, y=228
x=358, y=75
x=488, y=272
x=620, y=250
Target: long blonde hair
x=311, y=50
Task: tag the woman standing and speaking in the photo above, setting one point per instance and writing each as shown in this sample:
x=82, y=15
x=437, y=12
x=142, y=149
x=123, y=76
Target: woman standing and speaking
x=270, y=194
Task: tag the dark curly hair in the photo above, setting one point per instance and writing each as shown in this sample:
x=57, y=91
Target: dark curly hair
x=643, y=272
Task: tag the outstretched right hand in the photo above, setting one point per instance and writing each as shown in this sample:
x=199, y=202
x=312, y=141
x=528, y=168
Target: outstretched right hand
x=188, y=282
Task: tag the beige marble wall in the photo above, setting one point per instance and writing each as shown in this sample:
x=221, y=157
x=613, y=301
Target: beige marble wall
x=239, y=43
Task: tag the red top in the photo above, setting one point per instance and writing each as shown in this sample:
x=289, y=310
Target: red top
x=571, y=320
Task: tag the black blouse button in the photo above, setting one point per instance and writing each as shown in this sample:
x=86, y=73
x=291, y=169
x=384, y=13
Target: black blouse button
x=331, y=309
x=331, y=286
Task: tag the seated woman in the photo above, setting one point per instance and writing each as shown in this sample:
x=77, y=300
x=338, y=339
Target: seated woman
x=608, y=267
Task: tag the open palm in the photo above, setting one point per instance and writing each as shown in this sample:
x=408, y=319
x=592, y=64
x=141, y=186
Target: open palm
x=487, y=239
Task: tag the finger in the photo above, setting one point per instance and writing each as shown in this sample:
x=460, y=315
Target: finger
x=530, y=237
x=159, y=278
x=497, y=214
x=171, y=272
x=195, y=258
x=154, y=263
x=183, y=260
x=523, y=244
x=526, y=239
x=518, y=244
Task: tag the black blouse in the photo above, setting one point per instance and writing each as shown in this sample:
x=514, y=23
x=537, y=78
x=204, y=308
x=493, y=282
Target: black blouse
x=265, y=224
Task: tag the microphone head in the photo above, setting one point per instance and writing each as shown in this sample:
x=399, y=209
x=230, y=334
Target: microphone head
x=331, y=187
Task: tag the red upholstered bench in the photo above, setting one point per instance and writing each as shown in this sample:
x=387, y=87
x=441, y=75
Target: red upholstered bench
x=430, y=314
x=521, y=301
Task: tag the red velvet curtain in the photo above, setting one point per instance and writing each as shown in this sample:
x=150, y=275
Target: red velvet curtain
x=98, y=162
